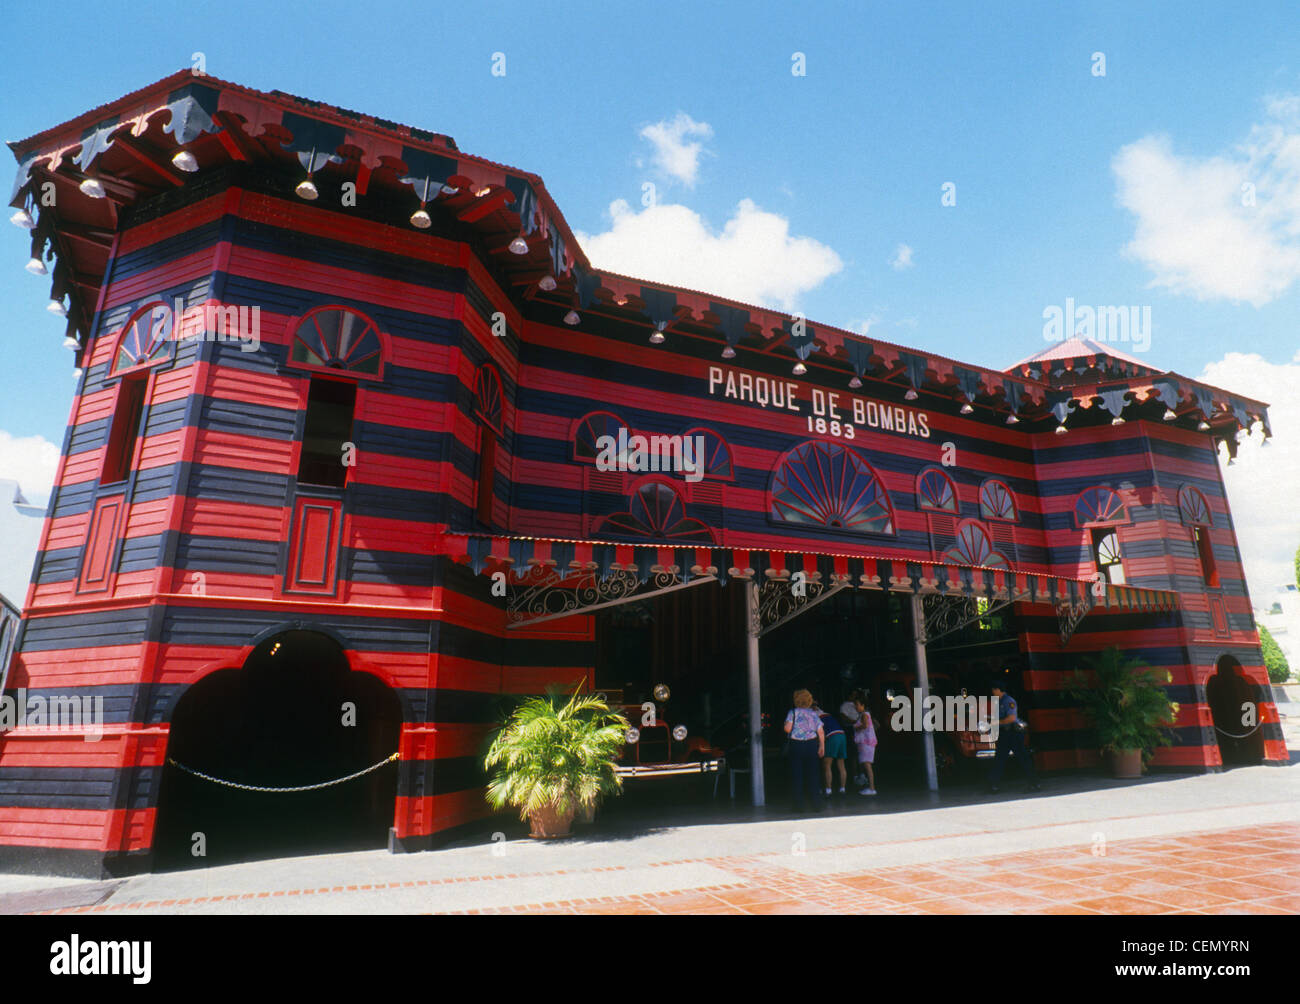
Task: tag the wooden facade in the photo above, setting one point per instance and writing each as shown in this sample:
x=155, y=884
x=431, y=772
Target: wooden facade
x=471, y=411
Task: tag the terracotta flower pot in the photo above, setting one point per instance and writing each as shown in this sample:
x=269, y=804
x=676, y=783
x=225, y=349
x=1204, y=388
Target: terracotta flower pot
x=548, y=824
x=1126, y=763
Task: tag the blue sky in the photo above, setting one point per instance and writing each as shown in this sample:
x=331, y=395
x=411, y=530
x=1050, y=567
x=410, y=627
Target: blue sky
x=1057, y=170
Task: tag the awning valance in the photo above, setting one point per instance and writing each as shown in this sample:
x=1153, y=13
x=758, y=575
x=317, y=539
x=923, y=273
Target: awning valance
x=538, y=559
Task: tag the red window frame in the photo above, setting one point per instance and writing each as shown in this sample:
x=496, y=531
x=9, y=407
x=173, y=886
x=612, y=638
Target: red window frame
x=296, y=324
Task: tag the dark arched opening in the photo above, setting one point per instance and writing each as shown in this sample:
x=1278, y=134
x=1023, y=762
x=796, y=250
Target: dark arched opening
x=284, y=719
x=1234, y=707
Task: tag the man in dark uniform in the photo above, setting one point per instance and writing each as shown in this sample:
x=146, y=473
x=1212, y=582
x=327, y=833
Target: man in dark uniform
x=1011, y=739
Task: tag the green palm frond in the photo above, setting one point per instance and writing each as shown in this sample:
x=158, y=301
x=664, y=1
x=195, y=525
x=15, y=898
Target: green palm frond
x=556, y=752
x=1125, y=701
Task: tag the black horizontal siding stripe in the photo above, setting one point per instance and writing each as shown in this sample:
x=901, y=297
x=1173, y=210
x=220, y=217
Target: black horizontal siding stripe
x=291, y=301
x=341, y=254
x=182, y=244
x=218, y=627
x=228, y=554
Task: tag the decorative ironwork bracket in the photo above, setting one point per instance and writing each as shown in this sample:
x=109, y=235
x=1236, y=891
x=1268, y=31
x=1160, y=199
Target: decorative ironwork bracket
x=947, y=614
x=1068, y=617
x=554, y=597
x=778, y=604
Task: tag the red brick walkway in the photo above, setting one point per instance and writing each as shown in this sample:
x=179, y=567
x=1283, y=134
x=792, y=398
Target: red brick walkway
x=1248, y=870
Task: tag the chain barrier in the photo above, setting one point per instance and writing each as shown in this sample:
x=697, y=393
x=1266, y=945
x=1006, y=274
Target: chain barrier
x=1233, y=735
x=302, y=787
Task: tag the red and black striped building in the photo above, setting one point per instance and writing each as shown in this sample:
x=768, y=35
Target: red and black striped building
x=335, y=375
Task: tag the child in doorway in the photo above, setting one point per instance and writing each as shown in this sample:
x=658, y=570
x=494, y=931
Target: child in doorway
x=836, y=749
x=864, y=738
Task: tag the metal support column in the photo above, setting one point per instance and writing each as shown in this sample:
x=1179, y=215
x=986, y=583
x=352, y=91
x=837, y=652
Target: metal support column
x=923, y=685
x=752, y=626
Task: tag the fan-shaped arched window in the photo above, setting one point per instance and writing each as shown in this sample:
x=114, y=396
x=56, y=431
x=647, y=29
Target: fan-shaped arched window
x=717, y=455
x=935, y=490
x=338, y=339
x=974, y=547
x=591, y=429
x=825, y=484
x=489, y=402
x=1196, y=515
x=1192, y=507
x=997, y=502
x=145, y=338
x=656, y=511
x=1106, y=553
x=1098, y=506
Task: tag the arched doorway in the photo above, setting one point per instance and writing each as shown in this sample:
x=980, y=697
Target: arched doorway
x=1228, y=692
x=282, y=720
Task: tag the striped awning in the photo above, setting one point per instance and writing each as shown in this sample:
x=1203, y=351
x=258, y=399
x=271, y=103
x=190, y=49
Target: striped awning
x=532, y=557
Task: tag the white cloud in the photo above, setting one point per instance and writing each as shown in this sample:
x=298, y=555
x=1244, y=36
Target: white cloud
x=1263, y=484
x=32, y=461
x=1196, y=229
x=902, y=257
x=676, y=154
x=753, y=258
x=864, y=327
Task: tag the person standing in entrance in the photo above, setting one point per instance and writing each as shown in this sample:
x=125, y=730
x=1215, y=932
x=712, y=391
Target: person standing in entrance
x=807, y=747
x=1011, y=739
x=864, y=739
x=836, y=750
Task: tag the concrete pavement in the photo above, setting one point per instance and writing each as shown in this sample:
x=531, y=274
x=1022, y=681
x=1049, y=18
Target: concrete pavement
x=1176, y=835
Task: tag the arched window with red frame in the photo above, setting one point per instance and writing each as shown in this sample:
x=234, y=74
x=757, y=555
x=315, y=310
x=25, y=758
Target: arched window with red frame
x=145, y=340
x=1192, y=507
x=821, y=484
x=1099, y=506
x=337, y=339
x=717, y=454
x=1100, y=511
x=1195, y=513
x=591, y=429
x=936, y=492
x=974, y=546
x=997, y=501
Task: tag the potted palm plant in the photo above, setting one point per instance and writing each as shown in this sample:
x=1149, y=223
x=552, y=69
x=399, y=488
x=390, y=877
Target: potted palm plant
x=554, y=758
x=1126, y=703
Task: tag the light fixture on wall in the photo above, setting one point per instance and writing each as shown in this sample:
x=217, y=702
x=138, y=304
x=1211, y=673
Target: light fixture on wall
x=1061, y=430
x=1170, y=414
x=657, y=336
x=546, y=283
x=966, y=408
x=420, y=219
x=1117, y=420
x=572, y=318
x=519, y=246
x=36, y=266
x=92, y=187
x=22, y=218
x=799, y=369
x=306, y=189
x=1203, y=426
x=185, y=161
x=855, y=382
x=71, y=343
x=728, y=352
x=57, y=307
x=911, y=395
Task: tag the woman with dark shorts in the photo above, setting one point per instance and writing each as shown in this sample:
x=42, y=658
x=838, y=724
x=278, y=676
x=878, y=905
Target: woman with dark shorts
x=807, y=747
